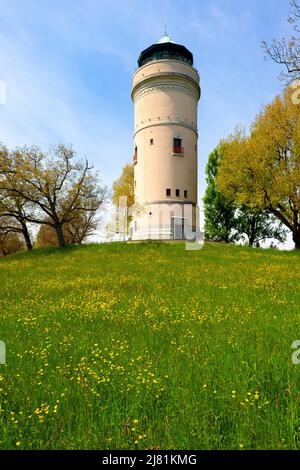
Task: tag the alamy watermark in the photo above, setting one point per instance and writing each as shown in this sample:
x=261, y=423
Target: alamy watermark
x=2, y=92
x=296, y=354
x=2, y=353
x=161, y=221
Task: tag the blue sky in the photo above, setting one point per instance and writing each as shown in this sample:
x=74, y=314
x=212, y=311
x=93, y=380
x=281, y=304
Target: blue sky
x=68, y=67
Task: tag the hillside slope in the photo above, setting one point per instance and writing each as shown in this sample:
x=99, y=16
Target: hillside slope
x=150, y=346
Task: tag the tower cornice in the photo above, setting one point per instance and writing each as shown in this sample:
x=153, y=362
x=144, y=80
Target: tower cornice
x=166, y=80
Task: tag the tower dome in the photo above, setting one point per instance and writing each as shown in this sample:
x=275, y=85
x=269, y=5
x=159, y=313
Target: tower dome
x=165, y=49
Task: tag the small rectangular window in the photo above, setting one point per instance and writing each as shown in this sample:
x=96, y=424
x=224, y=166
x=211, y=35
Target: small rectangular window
x=177, y=146
x=168, y=192
x=185, y=193
x=151, y=141
x=135, y=156
x=177, y=192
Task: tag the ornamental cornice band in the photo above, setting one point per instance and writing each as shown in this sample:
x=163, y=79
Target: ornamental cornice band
x=160, y=87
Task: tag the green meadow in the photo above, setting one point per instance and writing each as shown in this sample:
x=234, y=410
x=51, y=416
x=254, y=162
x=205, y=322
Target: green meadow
x=150, y=346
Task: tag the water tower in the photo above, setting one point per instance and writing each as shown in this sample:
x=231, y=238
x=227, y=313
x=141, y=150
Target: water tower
x=165, y=94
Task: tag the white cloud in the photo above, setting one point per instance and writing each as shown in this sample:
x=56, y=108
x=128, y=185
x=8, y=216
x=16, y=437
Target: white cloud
x=223, y=20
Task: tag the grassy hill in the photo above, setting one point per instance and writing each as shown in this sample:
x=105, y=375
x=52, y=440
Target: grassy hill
x=150, y=346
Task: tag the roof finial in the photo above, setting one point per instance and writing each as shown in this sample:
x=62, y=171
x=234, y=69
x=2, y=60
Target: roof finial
x=165, y=37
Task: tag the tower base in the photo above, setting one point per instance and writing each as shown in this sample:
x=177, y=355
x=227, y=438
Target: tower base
x=166, y=222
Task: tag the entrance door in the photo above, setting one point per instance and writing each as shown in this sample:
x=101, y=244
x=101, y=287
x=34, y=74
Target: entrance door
x=177, y=224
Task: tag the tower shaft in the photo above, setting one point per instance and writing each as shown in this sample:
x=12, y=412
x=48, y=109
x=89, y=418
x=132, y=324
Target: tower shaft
x=165, y=94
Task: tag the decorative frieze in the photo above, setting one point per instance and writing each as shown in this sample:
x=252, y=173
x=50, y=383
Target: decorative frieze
x=148, y=89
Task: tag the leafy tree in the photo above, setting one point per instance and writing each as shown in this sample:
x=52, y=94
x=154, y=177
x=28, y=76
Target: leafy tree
x=226, y=220
x=57, y=185
x=124, y=186
x=13, y=207
x=10, y=239
x=262, y=170
x=219, y=211
x=286, y=52
x=258, y=226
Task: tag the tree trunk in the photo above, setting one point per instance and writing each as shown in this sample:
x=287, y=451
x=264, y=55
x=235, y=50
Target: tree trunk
x=60, y=235
x=252, y=235
x=26, y=237
x=296, y=232
x=251, y=240
x=296, y=239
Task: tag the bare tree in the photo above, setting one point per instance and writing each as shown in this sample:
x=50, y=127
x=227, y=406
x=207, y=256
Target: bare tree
x=57, y=185
x=75, y=232
x=286, y=52
x=82, y=226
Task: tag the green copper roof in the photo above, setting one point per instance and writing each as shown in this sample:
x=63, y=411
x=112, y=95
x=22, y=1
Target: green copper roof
x=165, y=39
x=165, y=49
